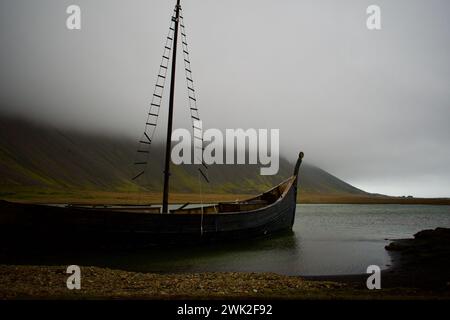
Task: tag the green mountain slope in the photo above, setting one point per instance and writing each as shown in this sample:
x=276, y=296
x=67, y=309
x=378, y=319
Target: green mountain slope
x=36, y=156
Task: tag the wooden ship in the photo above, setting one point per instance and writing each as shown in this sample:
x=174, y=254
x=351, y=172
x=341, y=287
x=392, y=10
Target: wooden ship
x=143, y=225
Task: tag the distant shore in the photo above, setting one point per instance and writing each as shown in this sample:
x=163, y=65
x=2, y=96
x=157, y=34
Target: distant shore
x=115, y=197
x=368, y=199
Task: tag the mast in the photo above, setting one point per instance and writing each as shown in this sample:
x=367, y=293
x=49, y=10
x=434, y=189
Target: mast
x=165, y=207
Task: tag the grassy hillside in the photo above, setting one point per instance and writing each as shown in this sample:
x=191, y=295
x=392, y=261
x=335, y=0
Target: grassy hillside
x=38, y=159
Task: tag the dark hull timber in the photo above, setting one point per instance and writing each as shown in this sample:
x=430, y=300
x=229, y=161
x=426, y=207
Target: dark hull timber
x=45, y=226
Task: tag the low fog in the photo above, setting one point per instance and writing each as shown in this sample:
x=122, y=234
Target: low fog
x=371, y=107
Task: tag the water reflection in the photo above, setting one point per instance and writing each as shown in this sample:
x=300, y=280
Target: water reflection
x=216, y=257
x=327, y=239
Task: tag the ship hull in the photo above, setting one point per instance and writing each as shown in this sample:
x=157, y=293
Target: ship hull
x=41, y=226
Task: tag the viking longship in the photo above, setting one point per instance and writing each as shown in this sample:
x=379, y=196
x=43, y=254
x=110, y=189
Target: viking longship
x=138, y=225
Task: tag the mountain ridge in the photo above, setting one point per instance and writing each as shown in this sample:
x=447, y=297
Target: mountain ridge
x=34, y=155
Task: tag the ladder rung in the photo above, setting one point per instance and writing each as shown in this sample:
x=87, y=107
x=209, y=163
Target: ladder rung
x=188, y=70
x=187, y=61
x=172, y=29
x=195, y=109
x=168, y=48
x=184, y=42
x=138, y=175
x=192, y=98
x=183, y=34
x=189, y=79
x=164, y=57
x=163, y=66
x=161, y=76
x=148, y=138
x=155, y=105
x=140, y=163
x=145, y=142
x=169, y=38
x=157, y=96
x=152, y=114
x=142, y=151
x=151, y=124
x=185, y=52
x=195, y=118
x=159, y=86
x=192, y=89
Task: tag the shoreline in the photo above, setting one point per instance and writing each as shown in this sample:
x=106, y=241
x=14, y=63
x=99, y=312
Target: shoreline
x=49, y=283
x=420, y=270
x=399, y=281
x=419, y=262
x=118, y=197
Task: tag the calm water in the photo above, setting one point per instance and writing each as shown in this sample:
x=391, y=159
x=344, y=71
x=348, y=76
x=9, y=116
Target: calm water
x=327, y=239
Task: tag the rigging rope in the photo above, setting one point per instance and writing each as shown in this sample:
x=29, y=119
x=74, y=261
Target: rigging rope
x=192, y=99
x=142, y=156
x=194, y=111
x=143, y=152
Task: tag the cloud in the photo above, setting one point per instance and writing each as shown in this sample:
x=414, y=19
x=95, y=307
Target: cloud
x=369, y=106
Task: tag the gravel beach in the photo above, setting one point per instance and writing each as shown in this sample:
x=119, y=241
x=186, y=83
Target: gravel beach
x=49, y=282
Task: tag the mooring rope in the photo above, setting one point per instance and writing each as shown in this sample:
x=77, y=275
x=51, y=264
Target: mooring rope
x=201, y=204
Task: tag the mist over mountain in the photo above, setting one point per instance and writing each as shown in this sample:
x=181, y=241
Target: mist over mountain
x=38, y=156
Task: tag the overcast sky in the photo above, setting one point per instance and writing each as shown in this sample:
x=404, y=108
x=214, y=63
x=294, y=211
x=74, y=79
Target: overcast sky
x=371, y=107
